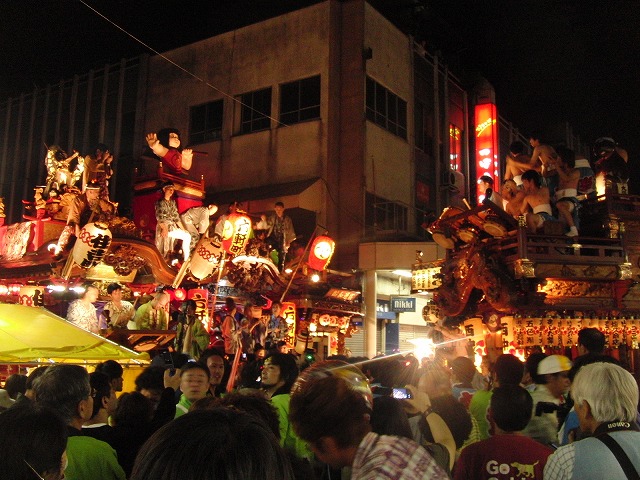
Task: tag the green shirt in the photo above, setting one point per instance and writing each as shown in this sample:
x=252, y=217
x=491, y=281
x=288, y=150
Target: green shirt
x=479, y=409
x=288, y=439
x=92, y=459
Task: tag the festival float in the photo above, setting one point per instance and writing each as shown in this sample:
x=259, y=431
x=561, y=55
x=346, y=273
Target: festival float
x=511, y=291
x=36, y=271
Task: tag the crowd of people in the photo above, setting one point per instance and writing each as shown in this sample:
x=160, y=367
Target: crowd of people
x=387, y=418
x=550, y=184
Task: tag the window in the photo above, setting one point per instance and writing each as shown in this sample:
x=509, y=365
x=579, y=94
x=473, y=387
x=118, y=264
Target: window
x=386, y=109
x=300, y=100
x=206, y=123
x=255, y=111
x=382, y=215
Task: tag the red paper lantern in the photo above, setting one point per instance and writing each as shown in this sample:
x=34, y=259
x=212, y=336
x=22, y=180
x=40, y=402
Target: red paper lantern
x=237, y=229
x=321, y=252
x=201, y=297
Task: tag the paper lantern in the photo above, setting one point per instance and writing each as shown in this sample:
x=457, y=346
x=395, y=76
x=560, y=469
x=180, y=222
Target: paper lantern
x=321, y=252
x=92, y=244
x=303, y=341
x=201, y=297
x=205, y=257
x=180, y=294
x=288, y=312
x=236, y=232
x=31, y=296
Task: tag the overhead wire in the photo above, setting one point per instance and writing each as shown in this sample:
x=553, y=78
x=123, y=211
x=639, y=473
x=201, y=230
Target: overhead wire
x=180, y=67
x=352, y=215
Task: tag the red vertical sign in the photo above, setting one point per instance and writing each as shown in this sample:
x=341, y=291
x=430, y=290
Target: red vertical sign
x=486, y=127
x=455, y=148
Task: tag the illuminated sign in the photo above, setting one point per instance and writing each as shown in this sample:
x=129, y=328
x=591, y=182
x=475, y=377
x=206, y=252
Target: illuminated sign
x=487, y=163
x=403, y=304
x=455, y=147
x=425, y=277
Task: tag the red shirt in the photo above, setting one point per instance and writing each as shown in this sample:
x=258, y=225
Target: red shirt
x=173, y=160
x=502, y=457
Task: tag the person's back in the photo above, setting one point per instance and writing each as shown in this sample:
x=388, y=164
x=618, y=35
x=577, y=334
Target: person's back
x=508, y=454
x=66, y=389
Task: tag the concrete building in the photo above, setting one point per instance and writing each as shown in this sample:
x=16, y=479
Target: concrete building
x=339, y=113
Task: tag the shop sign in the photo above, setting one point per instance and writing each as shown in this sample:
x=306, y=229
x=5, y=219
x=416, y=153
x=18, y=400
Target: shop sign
x=487, y=162
x=403, y=304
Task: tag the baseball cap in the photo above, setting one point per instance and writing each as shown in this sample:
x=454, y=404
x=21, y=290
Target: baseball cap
x=554, y=364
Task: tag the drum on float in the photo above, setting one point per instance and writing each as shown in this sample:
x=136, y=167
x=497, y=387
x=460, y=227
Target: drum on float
x=442, y=234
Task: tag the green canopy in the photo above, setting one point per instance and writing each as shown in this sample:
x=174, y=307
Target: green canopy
x=35, y=335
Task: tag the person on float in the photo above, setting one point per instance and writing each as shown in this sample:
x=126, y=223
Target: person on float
x=536, y=204
x=169, y=227
x=97, y=168
x=219, y=228
x=196, y=221
x=519, y=162
x=117, y=312
x=166, y=146
x=280, y=231
x=82, y=312
x=513, y=197
x=191, y=336
x=85, y=208
x=153, y=315
x=566, y=200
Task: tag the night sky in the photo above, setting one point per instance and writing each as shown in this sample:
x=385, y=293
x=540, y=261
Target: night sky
x=550, y=61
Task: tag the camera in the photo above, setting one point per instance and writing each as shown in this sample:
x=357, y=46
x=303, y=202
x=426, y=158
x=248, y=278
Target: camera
x=546, y=407
x=401, y=393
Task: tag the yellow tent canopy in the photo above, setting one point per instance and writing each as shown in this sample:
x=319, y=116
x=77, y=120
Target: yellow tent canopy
x=35, y=335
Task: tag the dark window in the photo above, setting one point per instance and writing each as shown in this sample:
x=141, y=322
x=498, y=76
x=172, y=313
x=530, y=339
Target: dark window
x=383, y=215
x=206, y=123
x=386, y=109
x=255, y=111
x=300, y=100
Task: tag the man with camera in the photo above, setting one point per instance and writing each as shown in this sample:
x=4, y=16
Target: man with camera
x=552, y=383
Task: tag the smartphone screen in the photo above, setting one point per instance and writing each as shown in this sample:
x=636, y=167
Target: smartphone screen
x=401, y=393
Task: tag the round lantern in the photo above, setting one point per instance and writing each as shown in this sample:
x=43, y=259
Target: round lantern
x=321, y=252
x=236, y=233
x=303, y=341
x=31, y=296
x=205, y=257
x=92, y=244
